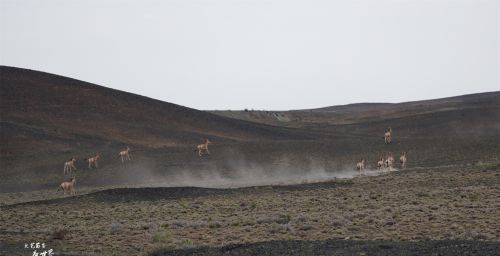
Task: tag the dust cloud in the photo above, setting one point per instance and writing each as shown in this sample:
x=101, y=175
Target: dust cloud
x=243, y=173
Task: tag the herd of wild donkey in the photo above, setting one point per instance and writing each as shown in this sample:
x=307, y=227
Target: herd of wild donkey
x=69, y=166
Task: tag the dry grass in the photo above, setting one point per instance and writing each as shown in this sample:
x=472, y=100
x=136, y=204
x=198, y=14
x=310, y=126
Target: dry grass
x=417, y=205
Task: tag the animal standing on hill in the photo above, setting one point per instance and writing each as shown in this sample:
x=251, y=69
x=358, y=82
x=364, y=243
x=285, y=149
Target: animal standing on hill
x=93, y=161
x=68, y=186
x=388, y=136
x=361, y=165
x=402, y=160
x=125, y=154
x=69, y=166
x=203, y=146
x=380, y=163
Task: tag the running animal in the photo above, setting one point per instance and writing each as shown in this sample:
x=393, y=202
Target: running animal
x=388, y=136
x=69, y=166
x=389, y=161
x=402, y=160
x=380, y=163
x=125, y=154
x=203, y=146
x=68, y=186
x=361, y=165
x=93, y=161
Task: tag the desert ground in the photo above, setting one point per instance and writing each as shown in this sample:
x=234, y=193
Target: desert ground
x=446, y=204
x=274, y=183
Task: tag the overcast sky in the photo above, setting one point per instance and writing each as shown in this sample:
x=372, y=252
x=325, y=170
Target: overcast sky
x=279, y=54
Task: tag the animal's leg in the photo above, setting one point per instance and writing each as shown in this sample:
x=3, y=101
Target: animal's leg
x=208, y=152
x=199, y=152
x=95, y=163
x=121, y=156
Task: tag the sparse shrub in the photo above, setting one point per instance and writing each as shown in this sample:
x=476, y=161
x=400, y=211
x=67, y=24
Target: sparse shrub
x=197, y=224
x=281, y=219
x=115, y=228
x=215, y=224
x=280, y=228
x=390, y=223
x=338, y=222
x=163, y=235
x=387, y=209
x=360, y=215
x=178, y=224
x=265, y=219
x=187, y=244
x=422, y=194
x=396, y=213
x=60, y=234
x=306, y=227
x=370, y=220
x=301, y=218
x=248, y=222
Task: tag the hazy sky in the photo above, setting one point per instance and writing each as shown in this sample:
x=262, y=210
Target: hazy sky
x=279, y=54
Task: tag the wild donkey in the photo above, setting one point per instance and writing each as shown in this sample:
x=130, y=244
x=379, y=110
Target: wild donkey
x=380, y=163
x=388, y=135
x=69, y=166
x=402, y=160
x=68, y=186
x=93, y=160
x=203, y=146
x=361, y=166
x=389, y=161
x=124, y=154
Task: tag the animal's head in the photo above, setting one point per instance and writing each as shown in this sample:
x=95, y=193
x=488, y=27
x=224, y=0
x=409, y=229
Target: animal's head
x=128, y=148
x=73, y=179
x=97, y=156
x=208, y=141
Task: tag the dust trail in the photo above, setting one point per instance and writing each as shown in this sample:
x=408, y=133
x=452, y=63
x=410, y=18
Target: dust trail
x=242, y=173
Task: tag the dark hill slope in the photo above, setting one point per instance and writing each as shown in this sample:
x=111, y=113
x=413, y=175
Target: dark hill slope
x=38, y=108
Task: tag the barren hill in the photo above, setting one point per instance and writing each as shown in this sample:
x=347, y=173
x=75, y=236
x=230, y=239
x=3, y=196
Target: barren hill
x=46, y=119
x=35, y=106
x=461, y=112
